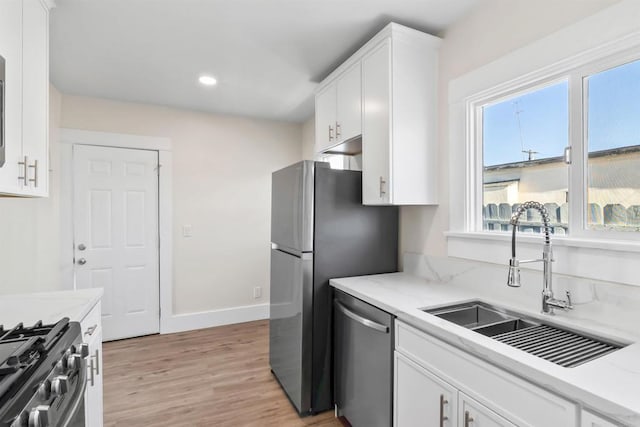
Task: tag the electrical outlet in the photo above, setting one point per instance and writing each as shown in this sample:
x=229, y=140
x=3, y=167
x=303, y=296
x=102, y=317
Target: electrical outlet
x=187, y=230
x=257, y=292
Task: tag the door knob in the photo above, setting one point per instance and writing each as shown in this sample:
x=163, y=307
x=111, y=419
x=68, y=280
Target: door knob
x=81, y=247
x=82, y=261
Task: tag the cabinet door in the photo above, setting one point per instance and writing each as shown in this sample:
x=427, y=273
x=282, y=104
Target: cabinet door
x=35, y=95
x=93, y=394
x=592, y=420
x=349, y=104
x=421, y=398
x=326, y=118
x=474, y=414
x=376, y=94
x=11, y=52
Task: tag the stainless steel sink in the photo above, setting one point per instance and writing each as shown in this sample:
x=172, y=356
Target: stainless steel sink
x=470, y=315
x=561, y=346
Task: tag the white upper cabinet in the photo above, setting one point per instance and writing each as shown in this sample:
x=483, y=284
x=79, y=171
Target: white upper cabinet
x=35, y=96
x=339, y=110
x=399, y=132
x=376, y=149
x=326, y=119
x=11, y=53
x=24, y=45
x=349, y=104
x=386, y=92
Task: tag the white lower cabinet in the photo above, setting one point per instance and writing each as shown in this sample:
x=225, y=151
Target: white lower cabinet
x=92, y=335
x=420, y=397
x=474, y=414
x=592, y=420
x=473, y=392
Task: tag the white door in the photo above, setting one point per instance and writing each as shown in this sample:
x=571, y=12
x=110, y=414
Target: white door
x=35, y=95
x=349, y=104
x=326, y=119
x=474, y=414
x=115, y=209
x=421, y=398
x=93, y=406
x=376, y=126
x=11, y=53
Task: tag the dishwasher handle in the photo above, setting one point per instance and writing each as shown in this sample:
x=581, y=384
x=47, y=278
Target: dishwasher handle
x=362, y=320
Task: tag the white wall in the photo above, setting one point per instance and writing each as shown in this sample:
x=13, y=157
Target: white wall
x=493, y=29
x=29, y=228
x=308, y=138
x=221, y=187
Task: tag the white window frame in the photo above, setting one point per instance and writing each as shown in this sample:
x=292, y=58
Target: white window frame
x=581, y=47
x=576, y=81
x=577, y=123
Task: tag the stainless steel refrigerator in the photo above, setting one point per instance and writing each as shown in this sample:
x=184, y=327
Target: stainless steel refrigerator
x=319, y=230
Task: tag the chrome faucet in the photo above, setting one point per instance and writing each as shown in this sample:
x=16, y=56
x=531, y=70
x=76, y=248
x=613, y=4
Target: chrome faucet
x=513, y=280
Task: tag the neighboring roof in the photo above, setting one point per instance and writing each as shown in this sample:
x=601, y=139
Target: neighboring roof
x=559, y=159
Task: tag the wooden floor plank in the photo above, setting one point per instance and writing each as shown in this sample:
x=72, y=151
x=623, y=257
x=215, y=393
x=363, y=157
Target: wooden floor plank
x=210, y=377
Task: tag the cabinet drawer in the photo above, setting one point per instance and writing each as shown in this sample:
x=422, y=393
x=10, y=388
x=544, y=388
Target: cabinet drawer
x=91, y=322
x=519, y=401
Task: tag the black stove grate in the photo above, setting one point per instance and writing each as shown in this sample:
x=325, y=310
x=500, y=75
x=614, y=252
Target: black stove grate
x=21, y=349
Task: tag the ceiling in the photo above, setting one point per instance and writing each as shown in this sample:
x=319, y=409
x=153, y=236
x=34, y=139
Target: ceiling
x=267, y=55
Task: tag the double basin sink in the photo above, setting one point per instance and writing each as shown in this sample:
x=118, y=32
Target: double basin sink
x=558, y=345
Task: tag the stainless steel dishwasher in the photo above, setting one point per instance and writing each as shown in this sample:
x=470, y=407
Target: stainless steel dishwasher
x=363, y=362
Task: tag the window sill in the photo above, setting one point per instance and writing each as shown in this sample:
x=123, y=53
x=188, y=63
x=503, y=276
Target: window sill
x=559, y=241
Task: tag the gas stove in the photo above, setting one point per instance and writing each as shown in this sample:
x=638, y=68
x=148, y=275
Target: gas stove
x=43, y=375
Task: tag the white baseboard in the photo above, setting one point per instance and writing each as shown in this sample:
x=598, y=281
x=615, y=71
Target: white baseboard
x=209, y=319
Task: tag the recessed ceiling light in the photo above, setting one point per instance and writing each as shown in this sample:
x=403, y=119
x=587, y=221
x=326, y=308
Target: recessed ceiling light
x=207, y=80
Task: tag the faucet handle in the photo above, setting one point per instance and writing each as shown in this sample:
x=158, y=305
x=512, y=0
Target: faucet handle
x=569, y=305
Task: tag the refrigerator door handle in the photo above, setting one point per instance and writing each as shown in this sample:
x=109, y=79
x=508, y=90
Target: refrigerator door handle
x=362, y=320
x=293, y=252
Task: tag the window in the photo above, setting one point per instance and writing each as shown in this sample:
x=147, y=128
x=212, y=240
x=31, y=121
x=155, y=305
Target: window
x=613, y=141
x=526, y=134
x=523, y=139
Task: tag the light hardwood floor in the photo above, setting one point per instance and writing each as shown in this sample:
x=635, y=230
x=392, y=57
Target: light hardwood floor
x=211, y=377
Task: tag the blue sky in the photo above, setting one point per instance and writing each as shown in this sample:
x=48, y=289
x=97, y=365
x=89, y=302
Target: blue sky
x=614, y=118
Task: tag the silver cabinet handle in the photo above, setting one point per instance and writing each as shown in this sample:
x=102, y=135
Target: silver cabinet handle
x=82, y=261
x=382, y=183
x=330, y=133
x=34, y=166
x=338, y=133
x=25, y=167
x=443, y=417
x=362, y=320
x=92, y=376
x=90, y=330
x=467, y=419
x=94, y=367
x=82, y=247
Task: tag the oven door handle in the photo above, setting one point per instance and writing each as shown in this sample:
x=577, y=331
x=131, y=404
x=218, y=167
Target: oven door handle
x=78, y=397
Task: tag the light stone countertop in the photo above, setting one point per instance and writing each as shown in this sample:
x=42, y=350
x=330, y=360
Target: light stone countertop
x=609, y=385
x=47, y=306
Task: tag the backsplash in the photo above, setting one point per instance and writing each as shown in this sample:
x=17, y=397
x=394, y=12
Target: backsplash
x=603, y=304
